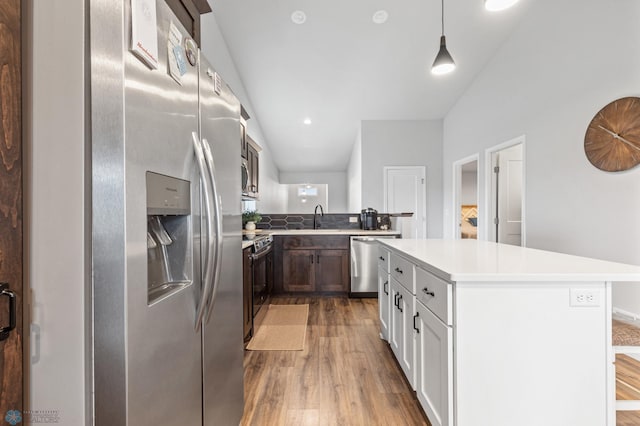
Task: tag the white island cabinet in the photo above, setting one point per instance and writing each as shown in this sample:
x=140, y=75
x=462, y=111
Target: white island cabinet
x=505, y=335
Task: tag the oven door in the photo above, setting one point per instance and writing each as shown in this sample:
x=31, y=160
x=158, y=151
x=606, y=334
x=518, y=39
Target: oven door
x=261, y=269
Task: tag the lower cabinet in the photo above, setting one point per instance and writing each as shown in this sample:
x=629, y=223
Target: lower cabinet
x=421, y=342
x=434, y=366
x=402, y=331
x=384, y=302
x=313, y=264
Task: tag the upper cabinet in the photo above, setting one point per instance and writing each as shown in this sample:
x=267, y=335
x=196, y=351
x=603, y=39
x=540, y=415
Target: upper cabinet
x=253, y=168
x=244, y=144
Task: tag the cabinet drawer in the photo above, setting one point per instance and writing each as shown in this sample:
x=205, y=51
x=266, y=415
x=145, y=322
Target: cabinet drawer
x=315, y=242
x=402, y=271
x=435, y=294
x=383, y=258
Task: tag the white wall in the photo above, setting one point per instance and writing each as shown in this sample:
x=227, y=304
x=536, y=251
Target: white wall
x=272, y=195
x=337, y=187
x=296, y=205
x=564, y=62
x=354, y=175
x=403, y=143
x=469, y=188
x=56, y=182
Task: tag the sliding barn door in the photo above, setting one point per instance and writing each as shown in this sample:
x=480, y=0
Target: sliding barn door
x=10, y=212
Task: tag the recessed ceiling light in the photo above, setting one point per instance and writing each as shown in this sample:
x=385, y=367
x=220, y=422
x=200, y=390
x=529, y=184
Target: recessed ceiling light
x=307, y=121
x=380, y=17
x=497, y=5
x=298, y=17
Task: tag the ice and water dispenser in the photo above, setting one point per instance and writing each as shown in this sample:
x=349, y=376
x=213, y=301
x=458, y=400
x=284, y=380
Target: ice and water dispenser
x=169, y=245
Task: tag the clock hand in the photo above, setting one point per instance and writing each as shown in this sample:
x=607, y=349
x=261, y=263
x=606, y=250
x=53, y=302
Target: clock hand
x=614, y=134
x=620, y=138
x=632, y=145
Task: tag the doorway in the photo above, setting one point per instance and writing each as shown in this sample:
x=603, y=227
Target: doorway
x=405, y=192
x=466, y=198
x=506, y=195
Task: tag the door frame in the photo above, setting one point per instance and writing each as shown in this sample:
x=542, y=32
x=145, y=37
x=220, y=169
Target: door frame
x=423, y=170
x=519, y=140
x=457, y=190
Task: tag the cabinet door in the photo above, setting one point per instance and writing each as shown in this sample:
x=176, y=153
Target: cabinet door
x=384, y=302
x=298, y=270
x=244, y=145
x=406, y=302
x=434, y=367
x=254, y=170
x=247, y=293
x=395, y=331
x=332, y=270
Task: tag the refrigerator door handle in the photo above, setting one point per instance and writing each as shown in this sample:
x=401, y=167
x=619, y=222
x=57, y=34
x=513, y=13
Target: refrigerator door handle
x=211, y=298
x=208, y=258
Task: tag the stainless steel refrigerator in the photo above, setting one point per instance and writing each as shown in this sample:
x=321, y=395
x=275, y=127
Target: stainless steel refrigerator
x=166, y=230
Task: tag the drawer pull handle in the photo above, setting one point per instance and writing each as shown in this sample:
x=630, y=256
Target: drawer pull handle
x=398, y=270
x=400, y=307
x=395, y=299
x=384, y=287
x=414, y=322
x=428, y=293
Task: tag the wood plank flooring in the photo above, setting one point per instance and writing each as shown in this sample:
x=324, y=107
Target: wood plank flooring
x=627, y=387
x=346, y=375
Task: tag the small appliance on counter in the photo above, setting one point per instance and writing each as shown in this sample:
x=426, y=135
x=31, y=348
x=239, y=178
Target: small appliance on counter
x=369, y=219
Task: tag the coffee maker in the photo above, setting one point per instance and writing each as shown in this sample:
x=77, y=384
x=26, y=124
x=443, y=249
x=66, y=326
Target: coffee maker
x=369, y=219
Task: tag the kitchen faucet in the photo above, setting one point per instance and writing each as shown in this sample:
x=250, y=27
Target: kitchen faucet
x=315, y=216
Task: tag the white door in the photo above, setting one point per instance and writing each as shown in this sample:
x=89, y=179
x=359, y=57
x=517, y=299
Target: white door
x=404, y=192
x=507, y=195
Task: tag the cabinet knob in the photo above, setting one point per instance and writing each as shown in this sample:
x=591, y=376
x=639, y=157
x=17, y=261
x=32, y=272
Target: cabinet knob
x=381, y=258
x=428, y=293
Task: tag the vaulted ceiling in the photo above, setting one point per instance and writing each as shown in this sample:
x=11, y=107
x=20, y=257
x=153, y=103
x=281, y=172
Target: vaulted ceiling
x=339, y=67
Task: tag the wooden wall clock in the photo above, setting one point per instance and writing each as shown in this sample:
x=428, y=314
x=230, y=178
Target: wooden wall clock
x=612, y=141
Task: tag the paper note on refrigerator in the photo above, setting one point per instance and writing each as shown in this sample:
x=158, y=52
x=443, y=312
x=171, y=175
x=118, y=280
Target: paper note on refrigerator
x=175, y=54
x=144, y=37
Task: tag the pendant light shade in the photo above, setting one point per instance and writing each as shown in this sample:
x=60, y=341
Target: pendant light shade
x=497, y=5
x=444, y=62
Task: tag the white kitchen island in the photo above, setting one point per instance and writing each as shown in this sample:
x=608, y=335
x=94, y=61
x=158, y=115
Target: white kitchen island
x=498, y=335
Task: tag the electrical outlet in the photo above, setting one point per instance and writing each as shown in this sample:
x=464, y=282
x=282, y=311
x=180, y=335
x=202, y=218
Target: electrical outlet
x=353, y=219
x=584, y=297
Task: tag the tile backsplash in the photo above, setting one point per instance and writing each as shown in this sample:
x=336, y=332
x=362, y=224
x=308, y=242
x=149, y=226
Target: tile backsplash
x=305, y=221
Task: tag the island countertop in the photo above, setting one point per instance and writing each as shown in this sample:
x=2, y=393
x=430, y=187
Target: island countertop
x=482, y=261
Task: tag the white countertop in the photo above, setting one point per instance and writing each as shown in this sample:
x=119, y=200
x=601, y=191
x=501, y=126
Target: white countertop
x=471, y=260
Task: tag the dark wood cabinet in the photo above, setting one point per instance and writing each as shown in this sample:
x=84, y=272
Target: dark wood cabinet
x=312, y=264
x=247, y=294
x=244, y=144
x=253, y=163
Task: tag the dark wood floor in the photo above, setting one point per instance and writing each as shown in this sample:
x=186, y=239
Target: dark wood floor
x=346, y=375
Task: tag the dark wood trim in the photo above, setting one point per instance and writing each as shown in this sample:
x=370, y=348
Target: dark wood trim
x=11, y=201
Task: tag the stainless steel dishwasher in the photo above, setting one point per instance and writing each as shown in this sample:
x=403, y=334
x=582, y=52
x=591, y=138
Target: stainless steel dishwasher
x=364, y=265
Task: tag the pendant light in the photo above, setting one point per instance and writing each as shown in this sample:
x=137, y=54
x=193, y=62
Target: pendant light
x=444, y=62
x=497, y=5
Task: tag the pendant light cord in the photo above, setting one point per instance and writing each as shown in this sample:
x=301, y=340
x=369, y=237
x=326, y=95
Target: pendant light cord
x=442, y=9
